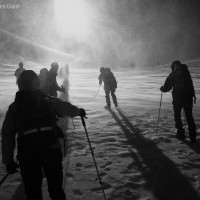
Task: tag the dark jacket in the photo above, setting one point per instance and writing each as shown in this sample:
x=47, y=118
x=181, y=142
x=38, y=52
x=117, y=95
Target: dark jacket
x=181, y=84
x=51, y=84
x=32, y=117
x=108, y=78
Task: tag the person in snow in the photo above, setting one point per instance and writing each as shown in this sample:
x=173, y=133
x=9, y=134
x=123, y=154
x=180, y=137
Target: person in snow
x=32, y=117
x=19, y=71
x=64, y=76
x=43, y=79
x=52, y=85
x=110, y=85
x=180, y=81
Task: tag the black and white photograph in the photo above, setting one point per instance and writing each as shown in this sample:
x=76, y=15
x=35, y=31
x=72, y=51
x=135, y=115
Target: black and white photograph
x=100, y=99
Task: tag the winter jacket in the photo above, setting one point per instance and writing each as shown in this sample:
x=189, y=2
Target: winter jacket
x=108, y=78
x=32, y=118
x=51, y=84
x=182, y=87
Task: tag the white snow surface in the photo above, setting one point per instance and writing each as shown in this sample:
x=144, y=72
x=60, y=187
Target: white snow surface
x=136, y=159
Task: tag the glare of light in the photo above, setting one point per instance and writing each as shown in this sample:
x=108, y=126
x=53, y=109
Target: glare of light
x=72, y=17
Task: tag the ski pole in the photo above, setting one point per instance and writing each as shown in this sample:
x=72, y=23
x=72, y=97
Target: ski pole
x=4, y=178
x=83, y=122
x=159, y=113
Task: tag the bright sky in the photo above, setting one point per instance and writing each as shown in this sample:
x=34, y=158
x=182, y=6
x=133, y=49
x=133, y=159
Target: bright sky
x=73, y=17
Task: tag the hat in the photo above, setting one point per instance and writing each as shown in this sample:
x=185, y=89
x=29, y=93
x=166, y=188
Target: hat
x=102, y=69
x=28, y=80
x=54, y=65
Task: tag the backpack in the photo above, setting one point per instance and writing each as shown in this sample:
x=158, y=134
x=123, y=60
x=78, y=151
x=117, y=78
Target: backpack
x=34, y=112
x=183, y=86
x=109, y=78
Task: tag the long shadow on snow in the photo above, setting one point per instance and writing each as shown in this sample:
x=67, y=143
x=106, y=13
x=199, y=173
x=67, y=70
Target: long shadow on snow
x=162, y=176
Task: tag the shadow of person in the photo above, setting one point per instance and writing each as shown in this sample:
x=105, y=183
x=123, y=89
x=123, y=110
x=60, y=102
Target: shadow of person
x=161, y=175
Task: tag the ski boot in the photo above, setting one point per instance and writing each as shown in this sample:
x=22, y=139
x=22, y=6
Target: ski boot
x=180, y=134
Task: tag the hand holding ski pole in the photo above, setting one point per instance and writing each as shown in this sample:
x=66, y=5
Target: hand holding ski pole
x=82, y=113
x=11, y=168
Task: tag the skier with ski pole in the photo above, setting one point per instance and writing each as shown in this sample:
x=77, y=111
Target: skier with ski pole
x=32, y=118
x=83, y=122
x=183, y=94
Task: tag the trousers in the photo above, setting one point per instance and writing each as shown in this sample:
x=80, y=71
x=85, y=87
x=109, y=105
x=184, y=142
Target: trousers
x=188, y=115
x=31, y=167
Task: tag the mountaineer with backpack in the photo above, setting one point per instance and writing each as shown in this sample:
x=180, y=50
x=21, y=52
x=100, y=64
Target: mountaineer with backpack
x=110, y=85
x=183, y=94
x=32, y=117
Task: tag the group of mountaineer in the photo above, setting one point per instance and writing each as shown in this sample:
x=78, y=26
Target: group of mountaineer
x=33, y=116
x=48, y=82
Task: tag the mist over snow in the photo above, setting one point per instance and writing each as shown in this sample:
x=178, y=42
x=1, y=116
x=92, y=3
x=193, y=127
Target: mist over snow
x=115, y=32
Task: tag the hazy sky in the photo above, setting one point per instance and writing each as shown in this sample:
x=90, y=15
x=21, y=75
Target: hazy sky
x=110, y=32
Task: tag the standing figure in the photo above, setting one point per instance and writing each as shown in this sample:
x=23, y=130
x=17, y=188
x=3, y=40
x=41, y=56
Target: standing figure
x=132, y=66
x=110, y=85
x=19, y=71
x=32, y=117
x=64, y=76
x=43, y=79
x=63, y=122
x=52, y=85
x=180, y=81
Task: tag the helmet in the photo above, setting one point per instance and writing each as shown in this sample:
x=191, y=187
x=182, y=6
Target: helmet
x=54, y=65
x=28, y=80
x=102, y=69
x=174, y=63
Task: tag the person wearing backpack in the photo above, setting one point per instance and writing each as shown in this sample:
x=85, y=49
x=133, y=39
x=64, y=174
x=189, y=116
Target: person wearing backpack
x=110, y=85
x=183, y=94
x=32, y=118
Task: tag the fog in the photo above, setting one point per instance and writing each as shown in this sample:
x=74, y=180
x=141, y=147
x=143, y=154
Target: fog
x=119, y=32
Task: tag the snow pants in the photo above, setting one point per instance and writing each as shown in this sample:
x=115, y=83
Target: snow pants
x=189, y=118
x=111, y=91
x=31, y=165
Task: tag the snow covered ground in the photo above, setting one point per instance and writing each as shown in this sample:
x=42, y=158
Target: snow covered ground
x=136, y=161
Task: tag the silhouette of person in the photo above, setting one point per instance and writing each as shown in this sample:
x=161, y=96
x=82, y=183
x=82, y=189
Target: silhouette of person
x=19, y=71
x=110, y=85
x=43, y=75
x=183, y=94
x=32, y=117
x=52, y=85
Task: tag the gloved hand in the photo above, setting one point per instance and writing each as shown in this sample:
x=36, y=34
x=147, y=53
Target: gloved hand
x=62, y=89
x=161, y=88
x=82, y=113
x=12, y=168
